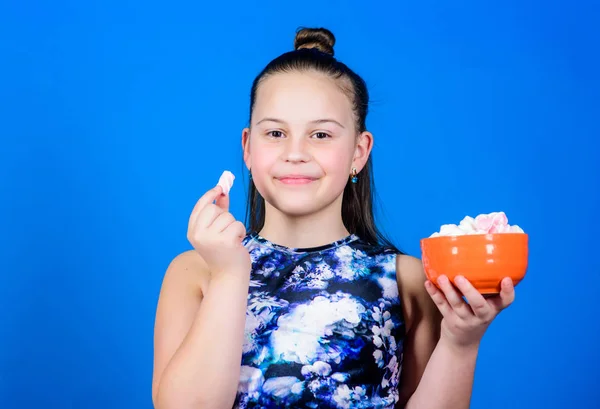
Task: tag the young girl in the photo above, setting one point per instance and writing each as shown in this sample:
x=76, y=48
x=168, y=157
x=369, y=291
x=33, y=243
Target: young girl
x=311, y=307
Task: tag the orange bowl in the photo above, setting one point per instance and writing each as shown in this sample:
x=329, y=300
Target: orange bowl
x=483, y=259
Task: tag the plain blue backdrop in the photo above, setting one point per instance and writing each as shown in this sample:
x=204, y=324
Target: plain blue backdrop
x=117, y=116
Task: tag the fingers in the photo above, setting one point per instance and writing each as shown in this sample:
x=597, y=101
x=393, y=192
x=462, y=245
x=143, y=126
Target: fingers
x=506, y=296
x=222, y=221
x=454, y=299
x=236, y=230
x=438, y=298
x=477, y=302
x=208, y=215
x=206, y=199
x=223, y=202
x=212, y=221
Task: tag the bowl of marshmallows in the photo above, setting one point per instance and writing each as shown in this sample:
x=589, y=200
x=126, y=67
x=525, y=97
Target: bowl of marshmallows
x=484, y=250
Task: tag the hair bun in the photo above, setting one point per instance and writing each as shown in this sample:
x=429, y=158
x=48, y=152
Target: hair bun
x=318, y=38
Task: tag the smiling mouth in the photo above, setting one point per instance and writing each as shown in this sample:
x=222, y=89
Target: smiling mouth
x=296, y=180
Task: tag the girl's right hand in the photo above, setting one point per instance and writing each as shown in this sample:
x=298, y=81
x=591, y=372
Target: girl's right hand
x=217, y=236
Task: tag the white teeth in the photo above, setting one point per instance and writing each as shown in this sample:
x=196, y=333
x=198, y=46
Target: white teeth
x=226, y=181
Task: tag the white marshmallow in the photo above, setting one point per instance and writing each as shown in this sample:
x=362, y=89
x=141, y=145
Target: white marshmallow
x=226, y=181
x=496, y=222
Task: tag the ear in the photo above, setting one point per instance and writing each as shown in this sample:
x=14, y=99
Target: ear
x=246, y=147
x=362, y=150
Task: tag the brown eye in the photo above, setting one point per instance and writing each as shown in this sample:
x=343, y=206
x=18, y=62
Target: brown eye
x=275, y=134
x=322, y=135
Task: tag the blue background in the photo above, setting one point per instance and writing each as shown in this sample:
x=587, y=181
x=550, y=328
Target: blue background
x=117, y=116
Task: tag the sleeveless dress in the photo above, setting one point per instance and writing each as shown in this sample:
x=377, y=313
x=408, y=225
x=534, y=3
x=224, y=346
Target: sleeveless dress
x=324, y=327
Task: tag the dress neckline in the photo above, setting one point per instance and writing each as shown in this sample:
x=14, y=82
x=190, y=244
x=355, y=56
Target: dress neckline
x=303, y=250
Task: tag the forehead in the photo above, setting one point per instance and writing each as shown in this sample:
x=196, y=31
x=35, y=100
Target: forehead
x=302, y=96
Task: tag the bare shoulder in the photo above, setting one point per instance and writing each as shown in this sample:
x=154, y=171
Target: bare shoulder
x=187, y=268
x=411, y=285
x=422, y=323
x=186, y=260
x=410, y=271
x=179, y=300
x=181, y=292
x=183, y=285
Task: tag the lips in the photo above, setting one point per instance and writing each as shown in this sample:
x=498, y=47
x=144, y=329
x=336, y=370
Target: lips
x=296, y=179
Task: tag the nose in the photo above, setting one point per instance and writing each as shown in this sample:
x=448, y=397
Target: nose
x=296, y=150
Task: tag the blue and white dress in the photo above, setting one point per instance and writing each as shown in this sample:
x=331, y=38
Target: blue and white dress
x=324, y=327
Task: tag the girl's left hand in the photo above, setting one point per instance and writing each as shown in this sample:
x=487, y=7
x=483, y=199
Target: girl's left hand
x=464, y=323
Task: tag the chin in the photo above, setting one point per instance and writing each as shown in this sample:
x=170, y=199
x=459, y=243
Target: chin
x=298, y=207
x=292, y=205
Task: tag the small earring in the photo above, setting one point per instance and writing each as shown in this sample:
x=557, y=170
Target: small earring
x=354, y=177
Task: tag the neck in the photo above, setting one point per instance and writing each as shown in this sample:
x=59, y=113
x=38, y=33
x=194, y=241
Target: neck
x=311, y=230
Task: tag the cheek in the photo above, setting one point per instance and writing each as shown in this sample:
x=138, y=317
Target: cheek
x=336, y=162
x=263, y=159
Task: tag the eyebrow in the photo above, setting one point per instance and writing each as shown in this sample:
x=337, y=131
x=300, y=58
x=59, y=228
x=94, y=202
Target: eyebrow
x=316, y=121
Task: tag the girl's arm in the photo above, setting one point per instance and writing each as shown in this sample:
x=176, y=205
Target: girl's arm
x=443, y=336
x=198, y=337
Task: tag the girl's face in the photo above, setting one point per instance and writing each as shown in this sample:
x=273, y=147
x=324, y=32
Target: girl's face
x=302, y=142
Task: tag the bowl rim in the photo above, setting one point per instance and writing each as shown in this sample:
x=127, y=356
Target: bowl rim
x=477, y=235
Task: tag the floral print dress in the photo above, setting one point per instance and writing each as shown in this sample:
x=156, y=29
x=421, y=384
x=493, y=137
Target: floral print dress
x=324, y=327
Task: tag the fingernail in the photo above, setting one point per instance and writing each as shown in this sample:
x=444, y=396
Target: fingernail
x=442, y=279
x=459, y=280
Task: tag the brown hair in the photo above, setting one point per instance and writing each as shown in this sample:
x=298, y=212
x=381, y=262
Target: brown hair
x=313, y=50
